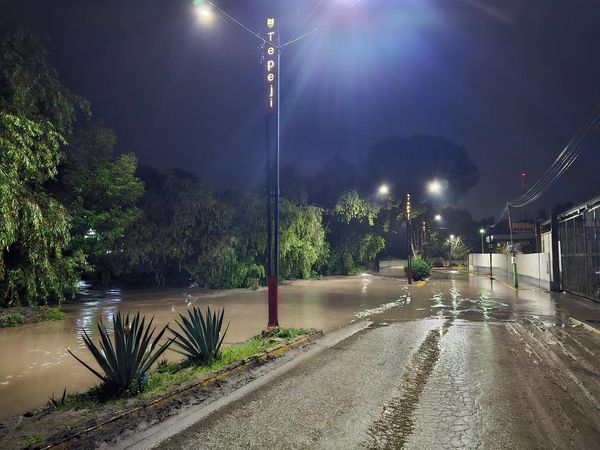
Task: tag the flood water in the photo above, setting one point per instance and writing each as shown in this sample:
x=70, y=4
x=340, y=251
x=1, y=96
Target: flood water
x=34, y=362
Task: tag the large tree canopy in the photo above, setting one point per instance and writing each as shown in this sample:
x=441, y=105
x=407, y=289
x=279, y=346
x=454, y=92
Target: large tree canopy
x=30, y=87
x=405, y=164
x=35, y=227
x=100, y=192
x=36, y=118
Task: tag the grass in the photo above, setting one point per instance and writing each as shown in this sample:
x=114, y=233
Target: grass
x=16, y=316
x=168, y=375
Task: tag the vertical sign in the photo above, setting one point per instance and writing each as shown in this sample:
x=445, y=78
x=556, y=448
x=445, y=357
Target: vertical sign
x=271, y=65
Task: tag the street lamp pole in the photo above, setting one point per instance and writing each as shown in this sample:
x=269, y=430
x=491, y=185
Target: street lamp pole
x=482, y=232
x=272, y=57
x=272, y=130
x=408, y=243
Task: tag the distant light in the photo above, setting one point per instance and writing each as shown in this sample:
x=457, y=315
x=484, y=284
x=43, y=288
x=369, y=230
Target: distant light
x=384, y=189
x=451, y=236
x=523, y=173
x=481, y=230
x=434, y=187
x=437, y=218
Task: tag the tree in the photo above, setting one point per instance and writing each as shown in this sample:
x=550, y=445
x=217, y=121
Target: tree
x=101, y=193
x=30, y=87
x=303, y=245
x=35, y=226
x=37, y=117
x=352, y=236
x=181, y=234
x=406, y=164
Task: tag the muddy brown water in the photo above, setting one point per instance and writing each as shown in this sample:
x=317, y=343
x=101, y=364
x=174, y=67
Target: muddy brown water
x=34, y=362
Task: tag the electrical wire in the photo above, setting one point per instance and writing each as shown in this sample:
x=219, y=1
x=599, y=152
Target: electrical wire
x=564, y=160
x=299, y=37
x=561, y=164
x=233, y=19
x=308, y=16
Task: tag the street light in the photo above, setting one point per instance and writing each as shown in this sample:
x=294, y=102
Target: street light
x=437, y=218
x=482, y=232
x=204, y=13
x=271, y=49
x=383, y=190
x=434, y=187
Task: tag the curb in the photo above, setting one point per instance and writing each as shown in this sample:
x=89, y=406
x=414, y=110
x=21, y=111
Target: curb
x=208, y=380
x=495, y=279
x=578, y=323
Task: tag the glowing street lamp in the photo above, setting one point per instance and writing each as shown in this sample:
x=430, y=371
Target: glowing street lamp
x=204, y=12
x=434, y=187
x=383, y=190
x=437, y=218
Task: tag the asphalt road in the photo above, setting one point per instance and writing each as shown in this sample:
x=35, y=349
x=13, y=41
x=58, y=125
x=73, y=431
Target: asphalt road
x=456, y=363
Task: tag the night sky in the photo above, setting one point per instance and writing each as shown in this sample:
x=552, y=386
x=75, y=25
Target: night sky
x=511, y=80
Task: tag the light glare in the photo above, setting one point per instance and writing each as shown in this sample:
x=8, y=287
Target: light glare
x=434, y=187
x=204, y=13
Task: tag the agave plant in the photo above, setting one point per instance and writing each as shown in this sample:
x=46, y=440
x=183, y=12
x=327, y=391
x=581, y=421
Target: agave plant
x=125, y=363
x=200, y=338
x=57, y=402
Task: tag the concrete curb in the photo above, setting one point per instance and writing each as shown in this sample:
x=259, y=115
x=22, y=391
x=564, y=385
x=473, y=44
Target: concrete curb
x=208, y=380
x=494, y=279
x=578, y=323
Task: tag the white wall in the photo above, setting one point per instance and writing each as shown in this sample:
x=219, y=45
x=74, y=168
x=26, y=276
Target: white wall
x=533, y=268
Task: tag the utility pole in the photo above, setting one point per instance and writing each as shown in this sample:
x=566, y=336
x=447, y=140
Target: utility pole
x=272, y=58
x=482, y=232
x=512, y=249
x=408, y=243
x=272, y=49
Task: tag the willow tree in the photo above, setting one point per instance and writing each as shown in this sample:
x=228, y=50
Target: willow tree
x=37, y=114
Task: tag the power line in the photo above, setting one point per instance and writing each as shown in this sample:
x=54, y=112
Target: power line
x=233, y=19
x=564, y=160
x=561, y=164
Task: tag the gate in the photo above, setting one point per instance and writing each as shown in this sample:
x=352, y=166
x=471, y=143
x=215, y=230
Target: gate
x=579, y=231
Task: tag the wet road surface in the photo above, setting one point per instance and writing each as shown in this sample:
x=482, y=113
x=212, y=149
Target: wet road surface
x=456, y=363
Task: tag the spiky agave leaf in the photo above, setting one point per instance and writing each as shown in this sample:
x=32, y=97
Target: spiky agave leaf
x=200, y=338
x=128, y=356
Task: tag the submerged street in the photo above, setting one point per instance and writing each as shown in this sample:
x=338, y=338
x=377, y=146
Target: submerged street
x=456, y=362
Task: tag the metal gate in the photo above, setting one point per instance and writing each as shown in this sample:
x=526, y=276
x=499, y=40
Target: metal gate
x=579, y=232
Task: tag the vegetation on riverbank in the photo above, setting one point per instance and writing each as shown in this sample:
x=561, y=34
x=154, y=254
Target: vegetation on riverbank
x=67, y=414
x=75, y=206
x=168, y=375
x=16, y=316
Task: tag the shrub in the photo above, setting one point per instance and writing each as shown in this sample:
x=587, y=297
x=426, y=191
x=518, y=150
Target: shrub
x=200, y=338
x=57, y=402
x=11, y=319
x=420, y=268
x=437, y=262
x=125, y=363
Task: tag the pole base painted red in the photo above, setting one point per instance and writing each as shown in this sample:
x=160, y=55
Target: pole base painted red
x=273, y=295
x=409, y=276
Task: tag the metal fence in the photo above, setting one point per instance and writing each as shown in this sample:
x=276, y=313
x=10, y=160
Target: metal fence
x=580, y=249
